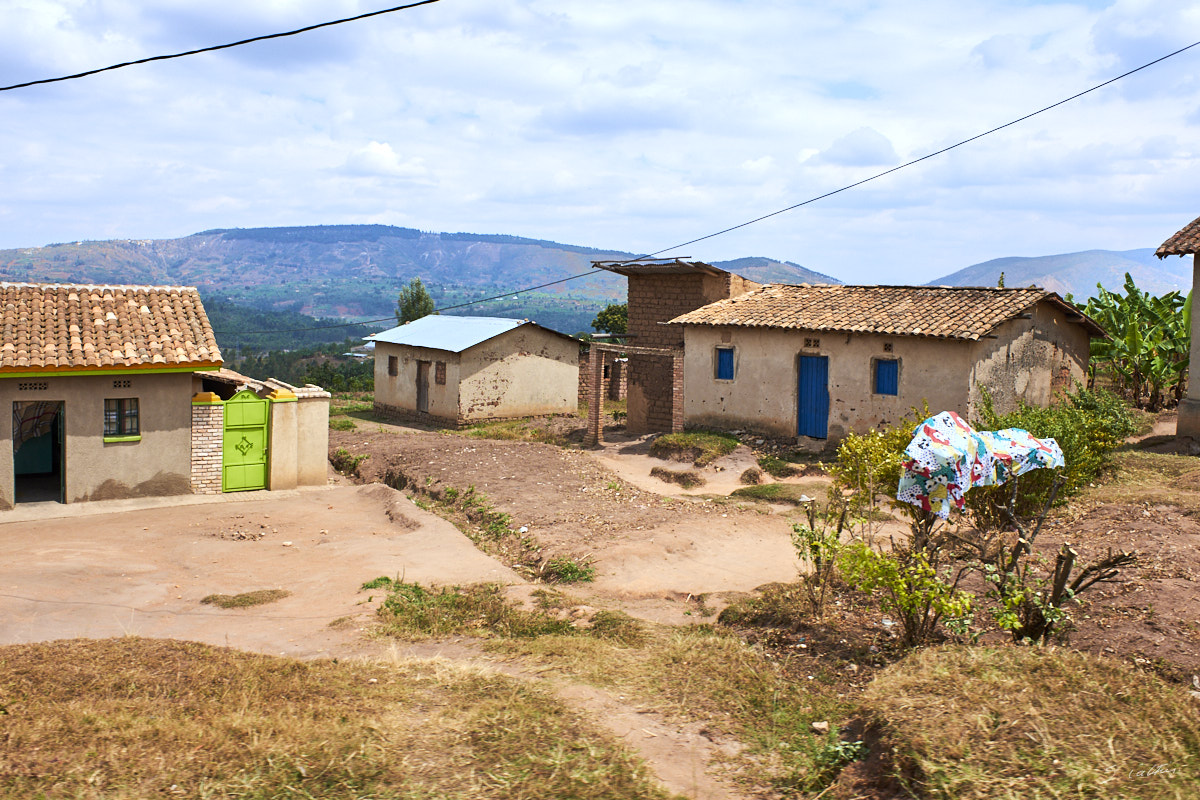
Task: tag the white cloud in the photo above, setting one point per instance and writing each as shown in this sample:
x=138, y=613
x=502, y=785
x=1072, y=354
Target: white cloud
x=378, y=159
x=612, y=124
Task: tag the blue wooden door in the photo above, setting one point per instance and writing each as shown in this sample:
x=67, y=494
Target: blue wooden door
x=814, y=397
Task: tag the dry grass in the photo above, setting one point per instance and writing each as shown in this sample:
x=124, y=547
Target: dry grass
x=246, y=599
x=700, y=447
x=1027, y=723
x=701, y=673
x=135, y=718
x=1155, y=478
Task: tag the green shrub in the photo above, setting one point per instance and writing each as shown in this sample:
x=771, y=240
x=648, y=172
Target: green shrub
x=911, y=587
x=1088, y=427
x=346, y=462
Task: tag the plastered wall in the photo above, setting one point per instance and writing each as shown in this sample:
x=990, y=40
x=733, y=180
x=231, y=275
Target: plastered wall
x=526, y=372
x=763, y=395
x=158, y=464
x=1030, y=360
x=398, y=393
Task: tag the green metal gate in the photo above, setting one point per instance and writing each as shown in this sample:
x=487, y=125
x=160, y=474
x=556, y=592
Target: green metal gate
x=244, y=455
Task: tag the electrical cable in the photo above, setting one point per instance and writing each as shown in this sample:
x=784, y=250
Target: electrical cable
x=796, y=205
x=251, y=40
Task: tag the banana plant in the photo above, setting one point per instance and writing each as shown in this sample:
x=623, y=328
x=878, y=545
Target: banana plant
x=1146, y=356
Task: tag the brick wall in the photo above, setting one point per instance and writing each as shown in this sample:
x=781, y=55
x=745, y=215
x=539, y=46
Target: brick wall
x=614, y=385
x=208, y=430
x=655, y=393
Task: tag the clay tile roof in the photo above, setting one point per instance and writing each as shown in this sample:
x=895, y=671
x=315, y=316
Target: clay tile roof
x=63, y=328
x=941, y=312
x=1183, y=243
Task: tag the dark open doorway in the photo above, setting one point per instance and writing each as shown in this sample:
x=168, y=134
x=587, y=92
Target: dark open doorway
x=38, y=452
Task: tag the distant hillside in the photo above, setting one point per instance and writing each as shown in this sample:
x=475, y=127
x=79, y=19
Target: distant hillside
x=1078, y=273
x=356, y=271
x=768, y=270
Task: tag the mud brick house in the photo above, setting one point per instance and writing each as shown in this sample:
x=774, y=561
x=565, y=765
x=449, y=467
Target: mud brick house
x=96, y=383
x=1187, y=242
x=457, y=370
x=819, y=361
x=660, y=290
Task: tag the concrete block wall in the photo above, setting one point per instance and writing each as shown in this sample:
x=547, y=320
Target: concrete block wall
x=208, y=431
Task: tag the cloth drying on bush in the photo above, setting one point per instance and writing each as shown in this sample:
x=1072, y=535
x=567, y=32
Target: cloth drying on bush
x=946, y=457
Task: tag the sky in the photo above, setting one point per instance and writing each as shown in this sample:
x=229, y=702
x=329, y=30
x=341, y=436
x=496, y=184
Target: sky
x=613, y=124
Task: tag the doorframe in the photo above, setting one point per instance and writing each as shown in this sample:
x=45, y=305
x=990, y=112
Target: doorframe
x=423, y=385
x=800, y=398
x=58, y=454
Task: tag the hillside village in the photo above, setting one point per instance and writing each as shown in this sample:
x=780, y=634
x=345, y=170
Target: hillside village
x=705, y=400
x=684, y=541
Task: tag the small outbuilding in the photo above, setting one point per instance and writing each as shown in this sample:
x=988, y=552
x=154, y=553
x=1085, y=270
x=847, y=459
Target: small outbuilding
x=98, y=380
x=449, y=370
x=119, y=391
x=818, y=361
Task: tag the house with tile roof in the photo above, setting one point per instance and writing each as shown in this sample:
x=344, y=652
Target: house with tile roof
x=447, y=370
x=1185, y=242
x=818, y=361
x=119, y=391
x=98, y=380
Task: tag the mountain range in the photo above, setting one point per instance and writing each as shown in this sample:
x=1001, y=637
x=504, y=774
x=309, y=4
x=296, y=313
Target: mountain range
x=355, y=272
x=1078, y=273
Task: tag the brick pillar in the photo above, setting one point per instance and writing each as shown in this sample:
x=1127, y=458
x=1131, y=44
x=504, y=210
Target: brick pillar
x=677, y=392
x=595, y=427
x=208, y=432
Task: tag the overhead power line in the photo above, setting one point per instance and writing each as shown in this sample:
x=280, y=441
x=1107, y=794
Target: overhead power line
x=436, y=311
x=791, y=207
x=251, y=40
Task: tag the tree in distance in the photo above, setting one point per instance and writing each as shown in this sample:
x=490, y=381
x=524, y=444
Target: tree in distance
x=414, y=302
x=613, y=319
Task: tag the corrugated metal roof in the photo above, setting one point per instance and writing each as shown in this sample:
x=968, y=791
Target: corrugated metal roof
x=454, y=334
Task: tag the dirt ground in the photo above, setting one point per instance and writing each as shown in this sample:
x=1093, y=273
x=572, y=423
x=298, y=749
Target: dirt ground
x=651, y=549
x=662, y=553
x=145, y=572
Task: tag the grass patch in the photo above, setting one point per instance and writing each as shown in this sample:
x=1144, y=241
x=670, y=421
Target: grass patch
x=700, y=447
x=1016, y=722
x=342, y=424
x=518, y=430
x=1138, y=477
x=687, y=478
x=563, y=569
x=751, y=476
x=777, y=605
x=133, y=717
x=790, y=493
x=412, y=611
x=246, y=599
x=776, y=467
x=346, y=462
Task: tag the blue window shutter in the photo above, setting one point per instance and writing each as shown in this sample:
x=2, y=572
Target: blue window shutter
x=724, y=363
x=887, y=377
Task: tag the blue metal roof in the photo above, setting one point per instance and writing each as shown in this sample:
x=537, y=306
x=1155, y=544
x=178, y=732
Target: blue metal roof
x=454, y=334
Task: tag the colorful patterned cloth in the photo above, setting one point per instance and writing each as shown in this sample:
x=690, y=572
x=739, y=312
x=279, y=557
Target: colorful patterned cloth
x=947, y=457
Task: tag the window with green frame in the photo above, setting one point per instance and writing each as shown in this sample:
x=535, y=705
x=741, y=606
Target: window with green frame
x=121, y=417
